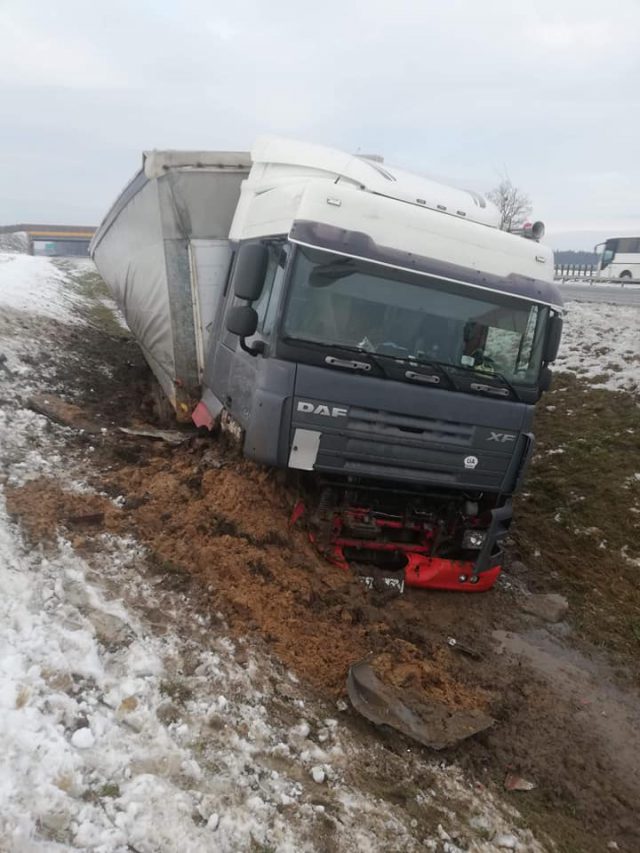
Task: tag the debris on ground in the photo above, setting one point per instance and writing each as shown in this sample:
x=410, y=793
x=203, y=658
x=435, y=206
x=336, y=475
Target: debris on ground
x=513, y=782
x=457, y=646
x=552, y=607
x=430, y=722
x=61, y=412
x=170, y=436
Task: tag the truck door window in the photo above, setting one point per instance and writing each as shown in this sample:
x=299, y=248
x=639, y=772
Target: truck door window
x=261, y=305
x=503, y=339
x=266, y=306
x=272, y=291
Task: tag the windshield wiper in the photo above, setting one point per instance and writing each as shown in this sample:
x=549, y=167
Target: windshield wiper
x=441, y=369
x=338, y=362
x=445, y=369
x=484, y=386
x=432, y=379
x=437, y=367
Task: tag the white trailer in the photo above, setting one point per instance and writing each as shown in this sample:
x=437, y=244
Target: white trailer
x=163, y=248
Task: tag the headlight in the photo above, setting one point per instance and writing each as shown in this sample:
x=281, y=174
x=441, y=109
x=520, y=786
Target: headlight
x=473, y=539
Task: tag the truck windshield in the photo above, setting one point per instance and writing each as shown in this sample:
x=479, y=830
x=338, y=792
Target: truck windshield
x=336, y=301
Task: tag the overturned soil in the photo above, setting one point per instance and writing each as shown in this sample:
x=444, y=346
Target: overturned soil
x=218, y=527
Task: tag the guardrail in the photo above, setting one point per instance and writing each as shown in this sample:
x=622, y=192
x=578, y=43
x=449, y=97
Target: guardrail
x=575, y=271
x=587, y=274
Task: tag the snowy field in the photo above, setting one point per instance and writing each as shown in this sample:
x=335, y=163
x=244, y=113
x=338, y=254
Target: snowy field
x=601, y=343
x=34, y=285
x=96, y=752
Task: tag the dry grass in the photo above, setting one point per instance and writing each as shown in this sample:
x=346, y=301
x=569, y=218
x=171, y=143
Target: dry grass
x=578, y=519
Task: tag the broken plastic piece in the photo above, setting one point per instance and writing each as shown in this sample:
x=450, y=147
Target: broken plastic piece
x=429, y=722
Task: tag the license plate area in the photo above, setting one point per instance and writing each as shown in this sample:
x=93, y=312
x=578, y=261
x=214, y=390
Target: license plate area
x=381, y=580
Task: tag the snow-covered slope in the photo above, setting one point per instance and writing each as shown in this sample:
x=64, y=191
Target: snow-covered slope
x=34, y=285
x=601, y=343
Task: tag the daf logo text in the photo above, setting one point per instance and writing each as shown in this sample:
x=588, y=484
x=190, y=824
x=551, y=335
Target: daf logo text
x=321, y=409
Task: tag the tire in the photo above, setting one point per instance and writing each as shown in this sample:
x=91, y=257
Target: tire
x=626, y=274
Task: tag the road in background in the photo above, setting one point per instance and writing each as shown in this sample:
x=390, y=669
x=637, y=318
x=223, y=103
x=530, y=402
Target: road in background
x=614, y=294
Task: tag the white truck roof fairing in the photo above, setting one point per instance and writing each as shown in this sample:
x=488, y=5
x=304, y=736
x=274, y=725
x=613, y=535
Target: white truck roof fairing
x=311, y=183
x=276, y=161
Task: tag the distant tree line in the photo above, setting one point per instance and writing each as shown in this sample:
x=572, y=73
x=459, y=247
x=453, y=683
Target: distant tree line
x=568, y=256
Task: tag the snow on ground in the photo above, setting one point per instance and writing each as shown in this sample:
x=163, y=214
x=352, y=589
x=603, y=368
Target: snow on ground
x=129, y=722
x=601, y=343
x=35, y=285
x=16, y=241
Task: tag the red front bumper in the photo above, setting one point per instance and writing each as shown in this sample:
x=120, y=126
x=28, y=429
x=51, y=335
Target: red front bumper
x=432, y=572
x=412, y=560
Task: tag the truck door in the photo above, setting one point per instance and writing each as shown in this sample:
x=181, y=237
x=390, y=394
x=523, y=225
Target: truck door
x=244, y=368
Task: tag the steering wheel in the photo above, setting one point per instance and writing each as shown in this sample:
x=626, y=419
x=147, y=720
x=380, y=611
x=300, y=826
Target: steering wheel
x=483, y=360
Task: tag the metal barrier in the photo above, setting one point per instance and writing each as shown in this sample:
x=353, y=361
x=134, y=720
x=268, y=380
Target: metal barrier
x=587, y=274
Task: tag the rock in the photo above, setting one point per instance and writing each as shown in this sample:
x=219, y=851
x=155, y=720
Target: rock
x=76, y=593
x=168, y=713
x=562, y=629
x=83, y=738
x=209, y=459
x=126, y=712
x=480, y=823
x=518, y=568
x=302, y=730
x=129, y=704
x=317, y=774
x=156, y=765
x=207, y=810
x=286, y=690
x=55, y=821
x=80, y=721
x=58, y=681
x=110, y=629
x=506, y=842
x=513, y=782
x=550, y=607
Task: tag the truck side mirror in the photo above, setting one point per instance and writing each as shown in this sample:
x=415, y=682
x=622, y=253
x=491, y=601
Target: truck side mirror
x=250, y=270
x=546, y=379
x=554, y=334
x=242, y=321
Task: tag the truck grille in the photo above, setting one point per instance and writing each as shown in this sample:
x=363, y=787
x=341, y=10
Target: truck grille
x=382, y=444
x=382, y=425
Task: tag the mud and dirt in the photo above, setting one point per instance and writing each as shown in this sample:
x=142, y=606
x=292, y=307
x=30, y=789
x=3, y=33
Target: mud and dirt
x=218, y=527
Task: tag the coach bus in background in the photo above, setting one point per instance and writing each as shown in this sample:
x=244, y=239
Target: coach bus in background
x=619, y=257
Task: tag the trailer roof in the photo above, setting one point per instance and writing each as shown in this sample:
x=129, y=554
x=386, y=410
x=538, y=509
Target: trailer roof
x=157, y=163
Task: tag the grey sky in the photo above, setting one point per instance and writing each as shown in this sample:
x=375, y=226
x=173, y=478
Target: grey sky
x=547, y=90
